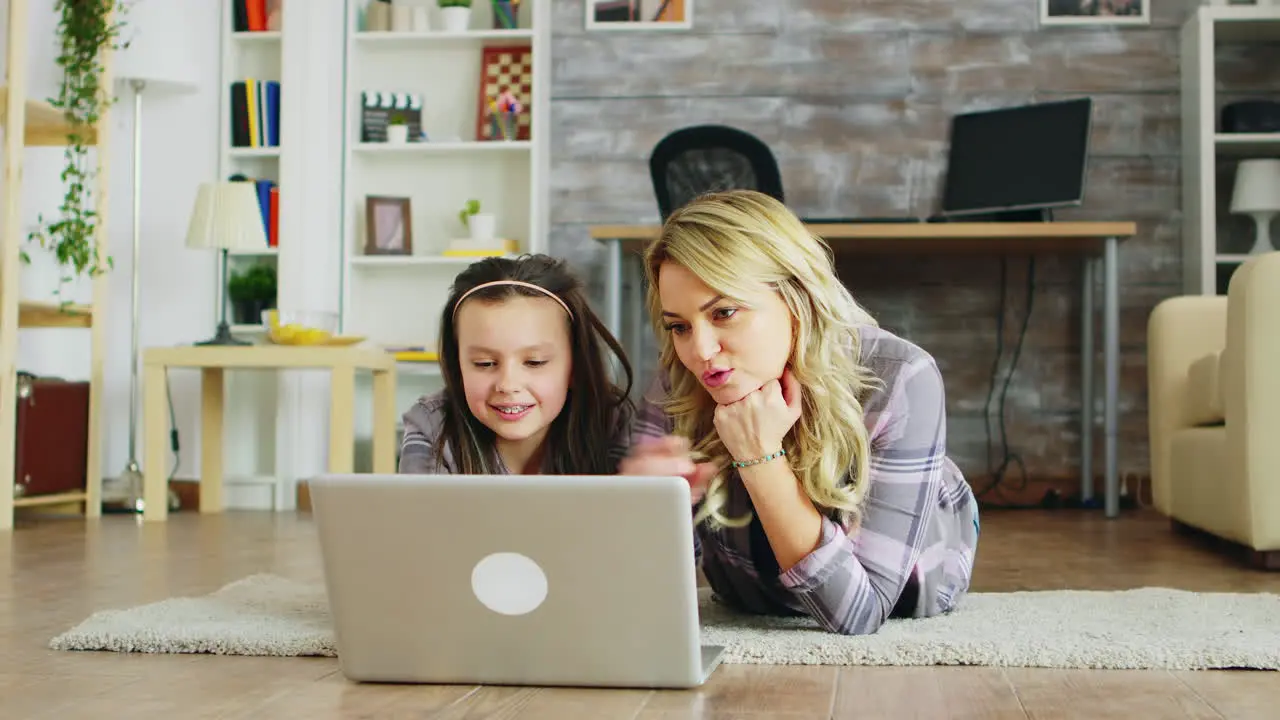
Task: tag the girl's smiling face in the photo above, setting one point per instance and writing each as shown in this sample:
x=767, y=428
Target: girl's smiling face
x=516, y=364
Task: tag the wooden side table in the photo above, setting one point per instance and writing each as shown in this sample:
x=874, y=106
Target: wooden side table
x=341, y=362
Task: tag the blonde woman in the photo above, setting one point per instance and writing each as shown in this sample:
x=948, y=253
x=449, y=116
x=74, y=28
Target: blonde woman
x=814, y=441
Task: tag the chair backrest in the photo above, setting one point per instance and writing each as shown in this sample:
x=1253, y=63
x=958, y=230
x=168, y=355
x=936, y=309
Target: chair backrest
x=704, y=158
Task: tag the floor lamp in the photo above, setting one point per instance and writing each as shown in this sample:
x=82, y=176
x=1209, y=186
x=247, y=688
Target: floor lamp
x=154, y=60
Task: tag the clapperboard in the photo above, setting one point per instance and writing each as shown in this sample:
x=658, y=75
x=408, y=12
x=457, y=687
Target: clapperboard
x=377, y=109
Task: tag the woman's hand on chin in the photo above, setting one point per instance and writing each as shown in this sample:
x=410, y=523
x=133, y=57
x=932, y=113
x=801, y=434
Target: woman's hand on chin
x=665, y=457
x=754, y=426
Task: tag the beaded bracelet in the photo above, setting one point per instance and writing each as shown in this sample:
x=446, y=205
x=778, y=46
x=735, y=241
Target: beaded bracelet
x=757, y=461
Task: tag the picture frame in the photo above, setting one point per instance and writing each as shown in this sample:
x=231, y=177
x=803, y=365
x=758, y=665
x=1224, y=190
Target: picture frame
x=627, y=15
x=388, y=225
x=1095, y=12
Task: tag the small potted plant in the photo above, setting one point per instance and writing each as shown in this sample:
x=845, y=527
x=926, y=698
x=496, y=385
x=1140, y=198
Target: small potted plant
x=481, y=225
x=397, y=130
x=251, y=292
x=455, y=15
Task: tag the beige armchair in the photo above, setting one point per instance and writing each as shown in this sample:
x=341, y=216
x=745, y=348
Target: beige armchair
x=1213, y=368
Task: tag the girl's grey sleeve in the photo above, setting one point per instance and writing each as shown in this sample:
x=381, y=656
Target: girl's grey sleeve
x=421, y=431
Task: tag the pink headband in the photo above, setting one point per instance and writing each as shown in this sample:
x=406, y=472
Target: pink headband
x=519, y=283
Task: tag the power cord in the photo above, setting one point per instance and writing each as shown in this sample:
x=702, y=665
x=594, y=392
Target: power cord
x=998, y=474
x=173, y=432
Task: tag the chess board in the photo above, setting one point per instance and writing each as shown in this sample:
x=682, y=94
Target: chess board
x=509, y=68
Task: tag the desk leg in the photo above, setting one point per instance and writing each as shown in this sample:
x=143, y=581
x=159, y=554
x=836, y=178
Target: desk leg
x=211, y=422
x=1086, y=381
x=342, y=421
x=613, y=287
x=639, y=318
x=384, y=422
x=613, y=295
x=155, y=424
x=1111, y=354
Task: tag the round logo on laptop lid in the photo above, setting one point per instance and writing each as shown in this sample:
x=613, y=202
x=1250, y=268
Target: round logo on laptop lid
x=509, y=583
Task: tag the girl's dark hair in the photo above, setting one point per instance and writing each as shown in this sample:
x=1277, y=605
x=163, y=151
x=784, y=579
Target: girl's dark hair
x=579, y=439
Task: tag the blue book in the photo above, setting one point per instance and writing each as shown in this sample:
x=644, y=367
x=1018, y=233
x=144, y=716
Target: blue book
x=273, y=113
x=264, y=204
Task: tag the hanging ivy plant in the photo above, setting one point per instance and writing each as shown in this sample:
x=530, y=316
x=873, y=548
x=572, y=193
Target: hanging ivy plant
x=85, y=29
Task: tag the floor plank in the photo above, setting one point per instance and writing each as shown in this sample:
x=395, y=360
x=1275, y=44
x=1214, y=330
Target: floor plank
x=1107, y=695
x=56, y=572
x=1243, y=694
x=934, y=692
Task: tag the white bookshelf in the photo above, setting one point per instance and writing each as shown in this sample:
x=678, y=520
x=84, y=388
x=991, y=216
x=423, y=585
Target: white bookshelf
x=251, y=406
x=245, y=55
x=1210, y=156
x=397, y=300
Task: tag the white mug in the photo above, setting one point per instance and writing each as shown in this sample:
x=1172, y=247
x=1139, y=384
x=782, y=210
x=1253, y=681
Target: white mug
x=421, y=20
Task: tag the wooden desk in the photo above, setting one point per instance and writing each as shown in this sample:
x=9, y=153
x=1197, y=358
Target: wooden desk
x=1096, y=242
x=212, y=362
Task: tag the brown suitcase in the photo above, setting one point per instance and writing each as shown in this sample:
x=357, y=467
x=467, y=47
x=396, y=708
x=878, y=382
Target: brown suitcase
x=52, y=442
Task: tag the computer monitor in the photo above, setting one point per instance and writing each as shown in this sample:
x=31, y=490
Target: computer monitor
x=1030, y=157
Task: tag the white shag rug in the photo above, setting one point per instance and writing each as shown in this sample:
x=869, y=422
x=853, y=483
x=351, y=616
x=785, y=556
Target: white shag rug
x=1132, y=629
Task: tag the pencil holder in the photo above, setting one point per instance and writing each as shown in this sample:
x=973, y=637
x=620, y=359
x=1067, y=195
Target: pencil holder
x=506, y=15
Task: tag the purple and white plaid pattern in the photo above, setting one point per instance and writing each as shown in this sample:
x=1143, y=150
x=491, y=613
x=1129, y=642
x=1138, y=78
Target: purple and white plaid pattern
x=919, y=524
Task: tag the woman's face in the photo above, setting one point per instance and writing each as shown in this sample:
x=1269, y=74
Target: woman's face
x=732, y=346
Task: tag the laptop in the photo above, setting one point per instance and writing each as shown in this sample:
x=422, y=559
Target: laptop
x=512, y=579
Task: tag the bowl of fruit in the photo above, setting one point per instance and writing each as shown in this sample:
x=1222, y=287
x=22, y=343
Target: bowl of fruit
x=300, y=327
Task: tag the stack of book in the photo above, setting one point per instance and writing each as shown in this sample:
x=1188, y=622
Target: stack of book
x=268, y=204
x=255, y=15
x=255, y=113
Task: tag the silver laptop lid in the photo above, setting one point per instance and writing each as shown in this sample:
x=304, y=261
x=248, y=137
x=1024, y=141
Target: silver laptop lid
x=509, y=579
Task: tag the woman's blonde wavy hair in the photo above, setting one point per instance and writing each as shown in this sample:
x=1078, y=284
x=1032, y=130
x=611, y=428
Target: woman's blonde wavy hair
x=732, y=240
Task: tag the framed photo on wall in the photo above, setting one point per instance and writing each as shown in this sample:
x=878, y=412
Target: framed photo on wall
x=1095, y=12
x=388, y=225
x=639, y=14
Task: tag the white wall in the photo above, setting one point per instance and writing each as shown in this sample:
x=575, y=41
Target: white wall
x=310, y=216
x=177, y=284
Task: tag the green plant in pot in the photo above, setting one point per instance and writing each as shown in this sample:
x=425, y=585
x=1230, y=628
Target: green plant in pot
x=251, y=292
x=456, y=14
x=86, y=28
x=397, y=128
x=480, y=225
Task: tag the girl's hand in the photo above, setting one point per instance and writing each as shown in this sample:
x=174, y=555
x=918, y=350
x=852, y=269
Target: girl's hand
x=668, y=456
x=755, y=425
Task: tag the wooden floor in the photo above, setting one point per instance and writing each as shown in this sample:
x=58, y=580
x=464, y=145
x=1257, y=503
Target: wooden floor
x=56, y=572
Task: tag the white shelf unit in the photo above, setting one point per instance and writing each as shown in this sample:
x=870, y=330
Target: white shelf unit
x=397, y=300
x=1209, y=156
x=250, y=404
x=246, y=56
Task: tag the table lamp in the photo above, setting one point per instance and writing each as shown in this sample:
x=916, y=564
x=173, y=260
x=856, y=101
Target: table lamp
x=1257, y=193
x=227, y=217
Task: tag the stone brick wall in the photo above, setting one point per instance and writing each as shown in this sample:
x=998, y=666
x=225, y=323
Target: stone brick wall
x=854, y=100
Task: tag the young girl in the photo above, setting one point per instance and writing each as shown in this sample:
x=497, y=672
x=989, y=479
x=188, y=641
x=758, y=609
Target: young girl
x=526, y=381
x=815, y=441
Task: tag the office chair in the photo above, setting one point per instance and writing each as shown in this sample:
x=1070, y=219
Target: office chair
x=704, y=158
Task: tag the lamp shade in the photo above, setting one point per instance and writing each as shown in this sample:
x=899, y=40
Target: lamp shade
x=157, y=46
x=1257, y=187
x=227, y=216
